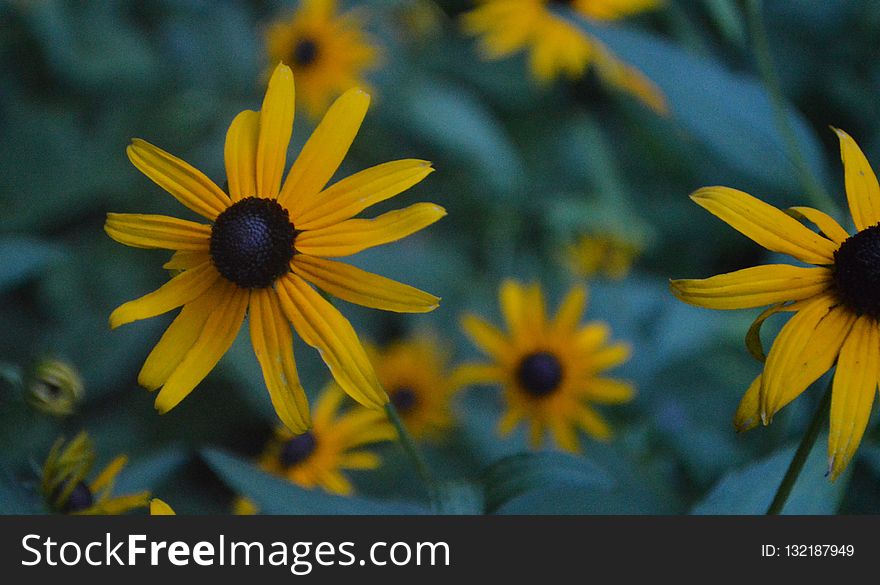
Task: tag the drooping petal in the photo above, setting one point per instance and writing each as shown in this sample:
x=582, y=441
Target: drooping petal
x=765, y=224
x=805, y=348
x=361, y=287
x=240, y=153
x=826, y=224
x=323, y=152
x=273, y=345
x=355, y=235
x=852, y=395
x=862, y=190
x=753, y=287
x=748, y=413
x=177, y=340
x=219, y=332
x=324, y=328
x=509, y=420
x=486, y=336
x=617, y=73
x=186, y=183
x=157, y=231
x=178, y=291
x=276, y=125
x=351, y=195
x=570, y=311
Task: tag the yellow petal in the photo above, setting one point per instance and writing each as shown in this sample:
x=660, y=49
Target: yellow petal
x=324, y=328
x=606, y=391
x=855, y=383
x=186, y=259
x=617, y=73
x=805, y=348
x=753, y=287
x=187, y=184
x=486, y=336
x=514, y=307
x=334, y=482
x=180, y=290
x=862, y=190
x=351, y=195
x=273, y=345
x=826, y=224
x=570, y=311
x=217, y=336
x=240, y=153
x=595, y=426
x=323, y=152
x=565, y=436
x=591, y=336
x=355, y=235
x=327, y=405
x=748, y=413
x=105, y=480
x=160, y=508
x=363, y=288
x=609, y=357
x=471, y=374
x=765, y=224
x=509, y=421
x=118, y=505
x=157, y=231
x=359, y=460
x=276, y=125
x=177, y=340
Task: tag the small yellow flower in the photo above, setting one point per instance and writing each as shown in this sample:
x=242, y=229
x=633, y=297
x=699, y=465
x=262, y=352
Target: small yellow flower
x=557, y=47
x=550, y=369
x=160, y=508
x=328, y=51
x=266, y=242
x=413, y=372
x=66, y=491
x=335, y=443
x=601, y=254
x=836, y=303
x=55, y=387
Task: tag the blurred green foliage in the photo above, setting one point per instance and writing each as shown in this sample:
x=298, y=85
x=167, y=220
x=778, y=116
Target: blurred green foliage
x=522, y=169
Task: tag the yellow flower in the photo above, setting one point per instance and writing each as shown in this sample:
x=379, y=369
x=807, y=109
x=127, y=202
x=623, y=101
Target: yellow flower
x=55, y=387
x=835, y=303
x=550, y=369
x=160, y=508
x=66, y=491
x=556, y=47
x=328, y=51
x=265, y=243
x=413, y=372
x=335, y=442
x=606, y=254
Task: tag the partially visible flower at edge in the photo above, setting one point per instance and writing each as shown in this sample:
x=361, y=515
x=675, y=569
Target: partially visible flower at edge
x=266, y=243
x=556, y=47
x=328, y=51
x=550, y=369
x=66, y=490
x=608, y=255
x=55, y=387
x=836, y=303
x=160, y=508
x=335, y=443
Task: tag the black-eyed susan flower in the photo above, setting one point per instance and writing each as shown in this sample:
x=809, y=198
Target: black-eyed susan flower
x=607, y=255
x=266, y=241
x=55, y=387
x=328, y=51
x=550, y=369
x=335, y=443
x=65, y=487
x=555, y=46
x=160, y=508
x=835, y=301
x=413, y=372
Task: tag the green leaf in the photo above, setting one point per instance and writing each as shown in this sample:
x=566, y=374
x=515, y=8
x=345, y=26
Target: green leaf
x=151, y=471
x=275, y=495
x=751, y=489
x=729, y=112
x=461, y=498
x=526, y=473
x=24, y=258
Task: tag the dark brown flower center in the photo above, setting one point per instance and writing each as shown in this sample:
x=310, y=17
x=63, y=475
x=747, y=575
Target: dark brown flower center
x=252, y=242
x=539, y=374
x=404, y=399
x=305, y=52
x=297, y=449
x=79, y=499
x=857, y=272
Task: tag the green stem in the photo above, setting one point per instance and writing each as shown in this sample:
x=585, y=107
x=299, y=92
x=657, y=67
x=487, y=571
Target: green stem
x=800, y=456
x=406, y=441
x=818, y=196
